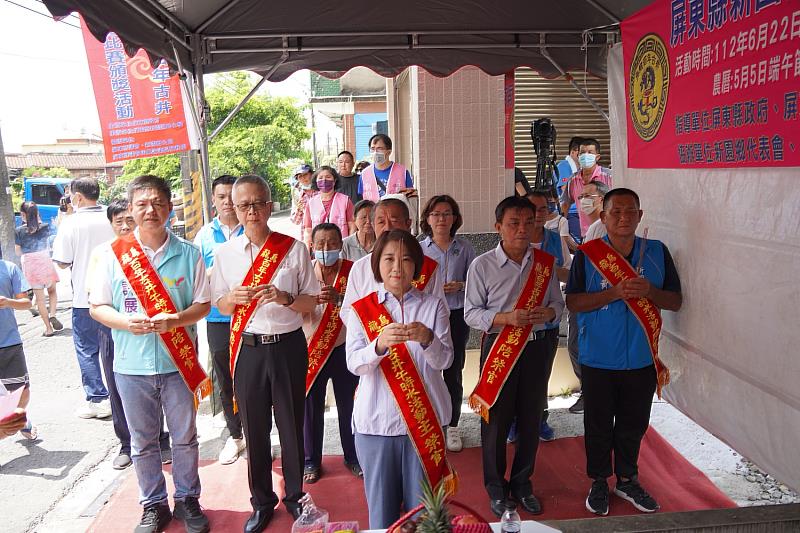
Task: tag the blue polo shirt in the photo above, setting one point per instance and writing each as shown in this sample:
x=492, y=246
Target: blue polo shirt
x=12, y=283
x=208, y=240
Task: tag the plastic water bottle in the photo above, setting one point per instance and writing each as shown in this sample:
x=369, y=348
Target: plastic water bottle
x=312, y=519
x=510, y=522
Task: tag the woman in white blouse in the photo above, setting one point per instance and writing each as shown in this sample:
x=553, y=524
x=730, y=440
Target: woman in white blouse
x=392, y=469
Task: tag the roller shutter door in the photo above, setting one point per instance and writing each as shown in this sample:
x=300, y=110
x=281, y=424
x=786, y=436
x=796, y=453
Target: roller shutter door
x=536, y=97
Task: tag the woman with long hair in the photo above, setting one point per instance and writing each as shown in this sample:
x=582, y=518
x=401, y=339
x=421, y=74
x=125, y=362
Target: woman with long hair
x=31, y=240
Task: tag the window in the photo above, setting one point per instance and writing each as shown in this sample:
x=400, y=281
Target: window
x=45, y=194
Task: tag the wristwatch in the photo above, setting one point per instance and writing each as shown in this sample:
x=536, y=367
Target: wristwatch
x=291, y=299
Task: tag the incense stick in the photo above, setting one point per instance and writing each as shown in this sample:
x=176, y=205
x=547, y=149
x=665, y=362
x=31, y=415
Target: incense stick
x=641, y=250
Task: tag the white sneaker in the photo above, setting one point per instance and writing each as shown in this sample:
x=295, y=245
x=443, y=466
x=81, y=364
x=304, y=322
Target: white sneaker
x=103, y=408
x=454, y=443
x=230, y=452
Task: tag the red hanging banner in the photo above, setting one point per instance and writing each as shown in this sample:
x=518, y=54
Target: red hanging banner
x=713, y=84
x=140, y=107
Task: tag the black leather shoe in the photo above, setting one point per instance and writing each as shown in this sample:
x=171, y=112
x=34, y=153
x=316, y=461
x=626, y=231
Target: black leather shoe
x=295, y=510
x=498, y=507
x=258, y=521
x=529, y=503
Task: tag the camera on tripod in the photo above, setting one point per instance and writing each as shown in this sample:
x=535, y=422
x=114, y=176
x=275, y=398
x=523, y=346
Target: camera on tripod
x=543, y=134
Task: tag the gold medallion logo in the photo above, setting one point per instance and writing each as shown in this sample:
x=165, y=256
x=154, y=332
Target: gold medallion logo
x=648, y=86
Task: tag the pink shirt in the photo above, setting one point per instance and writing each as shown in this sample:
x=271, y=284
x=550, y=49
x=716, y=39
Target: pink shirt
x=338, y=210
x=575, y=189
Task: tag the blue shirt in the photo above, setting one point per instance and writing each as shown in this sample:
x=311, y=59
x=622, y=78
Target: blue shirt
x=382, y=177
x=456, y=260
x=208, y=239
x=565, y=172
x=12, y=283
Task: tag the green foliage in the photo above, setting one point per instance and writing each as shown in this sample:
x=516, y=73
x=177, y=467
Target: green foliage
x=435, y=518
x=264, y=135
x=52, y=172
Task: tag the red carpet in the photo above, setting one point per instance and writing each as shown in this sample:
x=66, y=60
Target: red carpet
x=559, y=482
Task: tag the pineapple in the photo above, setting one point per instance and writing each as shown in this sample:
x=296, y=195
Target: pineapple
x=435, y=518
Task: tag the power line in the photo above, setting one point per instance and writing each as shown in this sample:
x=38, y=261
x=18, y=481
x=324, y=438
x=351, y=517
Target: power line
x=26, y=8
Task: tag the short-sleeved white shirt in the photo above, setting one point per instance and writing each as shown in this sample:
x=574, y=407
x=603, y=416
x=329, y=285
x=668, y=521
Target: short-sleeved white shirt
x=78, y=235
x=232, y=261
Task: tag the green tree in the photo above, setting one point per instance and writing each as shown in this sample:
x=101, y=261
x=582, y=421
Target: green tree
x=52, y=172
x=264, y=135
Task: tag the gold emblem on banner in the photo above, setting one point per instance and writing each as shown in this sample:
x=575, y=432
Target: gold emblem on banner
x=648, y=86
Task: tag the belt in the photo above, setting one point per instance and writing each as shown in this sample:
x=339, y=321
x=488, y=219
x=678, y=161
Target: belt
x=542, y=333
x=255, y=339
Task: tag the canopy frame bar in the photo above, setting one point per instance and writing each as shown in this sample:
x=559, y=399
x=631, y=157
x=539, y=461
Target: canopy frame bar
x=159, y=24
x=476, y=33
x=249, y=95
x=169, y=15
x=571, y=80
x=221, y=11
x=602, y=9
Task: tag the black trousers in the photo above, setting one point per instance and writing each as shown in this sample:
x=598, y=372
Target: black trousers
x=344, y=389
x=453, y=376
x=118, y=420
x=273, y=376
x=219, y=345
x=615, y=418
x=523, y=397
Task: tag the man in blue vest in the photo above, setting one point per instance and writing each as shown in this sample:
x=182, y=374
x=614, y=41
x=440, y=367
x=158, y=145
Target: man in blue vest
x=148, y=380
x=223, y=228
x=617, y=364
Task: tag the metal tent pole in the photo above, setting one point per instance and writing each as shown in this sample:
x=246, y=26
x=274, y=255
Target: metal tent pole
x=572, y=82
x=200, y=104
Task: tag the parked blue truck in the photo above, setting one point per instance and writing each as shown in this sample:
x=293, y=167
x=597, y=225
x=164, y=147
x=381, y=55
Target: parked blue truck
x=47, y=193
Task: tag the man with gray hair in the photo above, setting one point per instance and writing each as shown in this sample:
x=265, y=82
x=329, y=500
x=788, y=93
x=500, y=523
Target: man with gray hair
x=77, y=236
x=265, y=281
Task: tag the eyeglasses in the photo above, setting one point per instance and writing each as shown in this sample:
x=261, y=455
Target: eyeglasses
x=438, y=214
x=255, y=206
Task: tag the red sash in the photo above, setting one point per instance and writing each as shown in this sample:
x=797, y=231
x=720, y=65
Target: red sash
x=263, y=269
x=408, y=389
x=425, y=274
x=615, y=268
x=154, y=297
x=330, y=326
x=511, y=340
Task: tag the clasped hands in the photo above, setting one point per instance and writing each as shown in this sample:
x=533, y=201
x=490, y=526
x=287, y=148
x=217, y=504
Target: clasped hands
x=244, y=294
x=528, y=317
x=395, y=333
x=161, y=323
x=632, y=288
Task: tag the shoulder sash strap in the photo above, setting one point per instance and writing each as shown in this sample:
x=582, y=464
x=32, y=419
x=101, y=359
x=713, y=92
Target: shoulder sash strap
x=154, y=297
x=511, y=340
x=406, y=384
x=263, y=269
x=330, y=326
x=615, y=268
x=426, y=273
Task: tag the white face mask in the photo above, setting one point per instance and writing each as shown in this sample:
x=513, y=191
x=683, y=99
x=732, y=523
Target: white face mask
x=587, y=160
x=587, y=206
x=378, y=158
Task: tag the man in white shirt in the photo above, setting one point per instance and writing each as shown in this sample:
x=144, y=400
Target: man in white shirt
x=270, y=370
x=77, y=236
x=389, y=213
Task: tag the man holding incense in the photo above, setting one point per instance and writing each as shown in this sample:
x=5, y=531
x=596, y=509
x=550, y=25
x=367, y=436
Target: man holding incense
x=618, y=286
x=265, y=281
x=150, y=288
x=513, y=296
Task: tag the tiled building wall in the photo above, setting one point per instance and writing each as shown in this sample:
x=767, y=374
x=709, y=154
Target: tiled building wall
x=461, y=143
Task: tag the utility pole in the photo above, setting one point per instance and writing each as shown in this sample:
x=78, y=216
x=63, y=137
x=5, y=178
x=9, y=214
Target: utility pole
x=6, y=210
x=314, y=138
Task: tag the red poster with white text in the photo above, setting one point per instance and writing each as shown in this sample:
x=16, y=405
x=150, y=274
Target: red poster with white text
x=140, y=107
x=713, y=84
